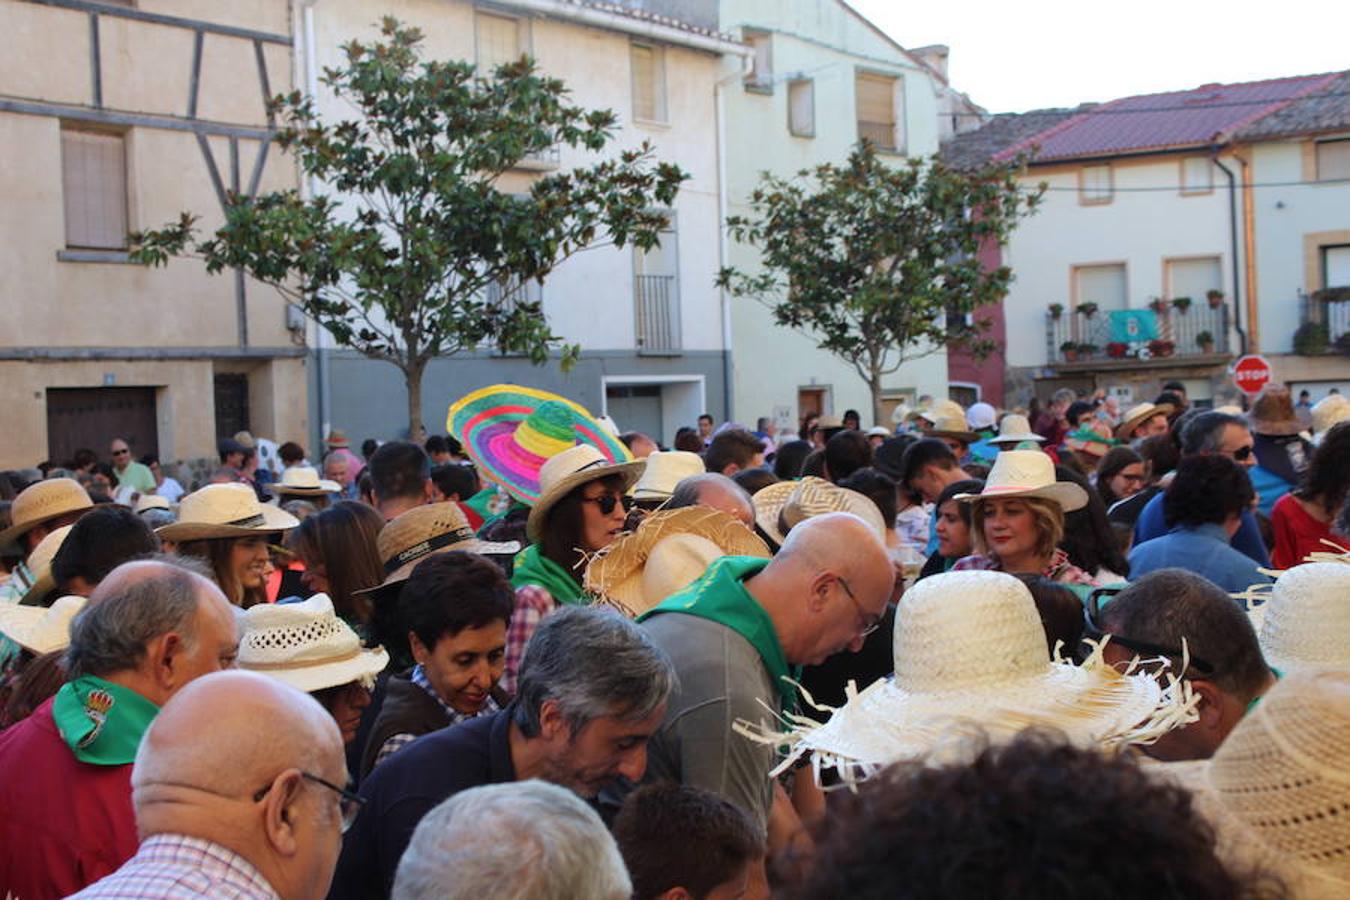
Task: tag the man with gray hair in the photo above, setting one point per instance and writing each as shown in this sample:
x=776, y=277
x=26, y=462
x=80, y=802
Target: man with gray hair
x=715, y=491
x=592, y=689
x=474, y=845
x=149, y=628
x=228, y=809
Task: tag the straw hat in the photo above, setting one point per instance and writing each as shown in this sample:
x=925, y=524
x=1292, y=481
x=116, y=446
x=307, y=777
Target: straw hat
x=148, y=502
x=879, y=431
x=981, y=415
x=952, y=426
x=1329, y=411
x=1029, y=473
x=665, y=469
x=225, y=511
x=940, y=409
x=1272, y=412
x=1139, y=414
x=303, y=481
x=40, y=564
x=509, y=432
x=1277, y=789
x=40, y=629
x=42, y=502
x=1306, y=621
x=336, y=440
x=670, y=550
x=970, y=659
x=1015, y=429
x=569, y=469
x=784, y=504
x=306, y=646
x=426, y=530
x=829, y=423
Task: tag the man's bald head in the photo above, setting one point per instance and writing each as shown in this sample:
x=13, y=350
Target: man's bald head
x=837, y=539
x=714, y=491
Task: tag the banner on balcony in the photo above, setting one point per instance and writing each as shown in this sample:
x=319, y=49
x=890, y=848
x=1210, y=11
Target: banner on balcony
x=1133, y=325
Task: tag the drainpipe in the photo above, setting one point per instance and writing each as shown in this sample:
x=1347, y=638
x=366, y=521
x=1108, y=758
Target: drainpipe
x=311, y=81
x=1233, y=252
x=723, y=208
x=1249, y=252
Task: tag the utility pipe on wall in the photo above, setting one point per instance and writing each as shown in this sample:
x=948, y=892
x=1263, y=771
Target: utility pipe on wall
x=1233, y=251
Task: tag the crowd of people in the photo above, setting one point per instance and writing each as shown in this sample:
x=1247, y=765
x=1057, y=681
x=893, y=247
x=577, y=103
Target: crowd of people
x=1048, y=652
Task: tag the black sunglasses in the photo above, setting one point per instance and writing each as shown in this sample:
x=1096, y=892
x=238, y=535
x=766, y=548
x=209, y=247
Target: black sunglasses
x=1092, y=612
x=607, y=502
x=1242, y=453
x=350, y=803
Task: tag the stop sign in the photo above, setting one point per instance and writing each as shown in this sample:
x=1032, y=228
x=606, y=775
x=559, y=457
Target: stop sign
x=1251, y=373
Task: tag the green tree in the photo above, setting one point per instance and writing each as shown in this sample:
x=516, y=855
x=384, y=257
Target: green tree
x=410, y=256
x=878, y=263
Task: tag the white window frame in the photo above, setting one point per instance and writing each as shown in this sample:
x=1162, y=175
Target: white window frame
x=661, y=112
x=795, y=128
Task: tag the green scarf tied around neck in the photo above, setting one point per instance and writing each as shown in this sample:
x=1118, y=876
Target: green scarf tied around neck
x=101, y=722
x=533, y=567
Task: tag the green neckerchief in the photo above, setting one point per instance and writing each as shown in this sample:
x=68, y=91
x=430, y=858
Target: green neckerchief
x=101, y=721
x=533, y=567
x=491, y=503
x=720, y=595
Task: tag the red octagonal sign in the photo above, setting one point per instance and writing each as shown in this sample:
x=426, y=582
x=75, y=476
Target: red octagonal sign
x=1251, y=373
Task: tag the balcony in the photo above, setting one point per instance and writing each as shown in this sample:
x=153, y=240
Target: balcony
x=1157, y=335
x=546, y=160
x=656, y=312
x=1324, y=322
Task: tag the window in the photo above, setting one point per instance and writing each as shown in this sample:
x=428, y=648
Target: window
x=500, y=41
x=1094, y=184
x=1333, y=160
x=1193, y=277
x=878, y=99
x=94, y=183
x=656, y=294
x=802, y=108
x=649, y=83
x=1102, y=285
x=761, y=73
x=1197, y=175
x=510, y=293
x=1336, y=266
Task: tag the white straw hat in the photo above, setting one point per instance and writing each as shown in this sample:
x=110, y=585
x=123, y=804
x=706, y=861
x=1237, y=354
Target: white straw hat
x=40, y=629
x=304, y=481
x=225, y=511
x=146, y=502
x=42, y=502
x=970, y=659
x=1305, y=623
x=780, y=506
x=1014, y=429
x=40, y=564
x=1028, y=473
x=665, y=469
x=669, y=551
x=307, y=646
x=573, y=467
x=1331, y=410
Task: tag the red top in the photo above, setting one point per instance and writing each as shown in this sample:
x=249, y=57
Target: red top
x=1297, y=533
x=65, y=824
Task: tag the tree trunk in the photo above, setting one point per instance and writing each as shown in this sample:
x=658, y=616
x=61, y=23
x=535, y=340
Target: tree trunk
x=412, y=376
x=879, y=416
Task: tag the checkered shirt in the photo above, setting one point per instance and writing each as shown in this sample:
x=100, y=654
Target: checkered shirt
x=177, y=867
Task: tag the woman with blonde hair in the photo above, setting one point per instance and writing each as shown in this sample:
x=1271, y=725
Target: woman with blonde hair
x=338, y=548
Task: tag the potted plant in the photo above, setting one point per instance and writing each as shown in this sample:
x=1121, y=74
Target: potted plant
x=1070, y=351
x=1311, y=339
x=1056, y=310
x=1085, y=351
x=1117, y=349
x=1205, y=341
x=1159, y=347
x=1181, y=303
x=1158, y=305
x=1088, y=309
x=1215, y=298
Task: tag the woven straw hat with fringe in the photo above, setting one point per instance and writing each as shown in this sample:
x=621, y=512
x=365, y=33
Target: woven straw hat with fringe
x=42, y=502
x=1028, y=473
x=1014, y=429
x=669, y=551
x=307, y=646
x=426, y=530
x=40, y=629
x=665, y=469
x=970, y=661
x=1278, y=788
x=784, y=504
x=570, y=469
x=303, y=481
x=225, y=511
x=40, y=564
x=1305, y=622
x=1137, y=415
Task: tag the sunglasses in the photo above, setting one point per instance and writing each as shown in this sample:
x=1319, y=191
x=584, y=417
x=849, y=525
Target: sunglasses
x=1092, y=614
x=120, y=452
x=608, y=501
x=1243, y=453
x=349, y=804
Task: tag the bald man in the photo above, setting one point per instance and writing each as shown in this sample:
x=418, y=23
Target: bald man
x=149, y=628
x=228, y=809
x=714, y=491
x=733, y=636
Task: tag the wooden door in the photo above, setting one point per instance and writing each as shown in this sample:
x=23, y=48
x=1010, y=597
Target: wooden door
x=91, y=417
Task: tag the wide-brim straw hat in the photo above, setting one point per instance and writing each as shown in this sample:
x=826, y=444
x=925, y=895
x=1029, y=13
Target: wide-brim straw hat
x=425, y=531
x=1277, y=789
x=669, y=551
x=510, y=431
x=1028, y=473
x=40, y=564
x=665, y=469
x=1272, y=412
x=146, y=502
x=40, y=629
x=304, y=481
x=954, y=427
x=42, y=502
x=570, y=469
x=780, y=506
x=1139, y=414
x=225, y=511
x=1305, y=621
x=306, y=646
x=1328, y=412
x=971, y=662
x=1014, y=429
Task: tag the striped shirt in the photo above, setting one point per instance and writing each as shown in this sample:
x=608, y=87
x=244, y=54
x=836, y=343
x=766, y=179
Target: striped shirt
x=178, y=867
x=396, y=742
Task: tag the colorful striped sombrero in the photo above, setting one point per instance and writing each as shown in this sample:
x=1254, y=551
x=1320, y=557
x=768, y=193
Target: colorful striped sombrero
x=509, y=431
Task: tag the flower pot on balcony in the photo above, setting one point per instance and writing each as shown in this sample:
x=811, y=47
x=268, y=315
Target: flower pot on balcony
x=1205, y=341
x=1214, y=298
x=1088, y=309
x=1182, y=304
x=1158, y=305
x=1056, y=310
x=1070, y=351
x=1161, y=348
x=1117, y=350
x=1085, y=351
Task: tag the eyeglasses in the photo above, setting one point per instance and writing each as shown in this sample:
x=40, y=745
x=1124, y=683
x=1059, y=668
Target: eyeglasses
x=1092, y=613
x=349, y=804
x=120, y=452
x=1242, y=453
x=870, y=622
x=608, y=501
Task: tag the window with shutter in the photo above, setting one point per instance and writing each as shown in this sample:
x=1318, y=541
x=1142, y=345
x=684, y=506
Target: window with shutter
x=499, y=41
x=1333, y=160
x=1197, y=176
x=1094, y=184
x=802, y=108
x=94, y=185
x=876, y=110
x=761, y=73
x=1336, y=266
x=649, y=83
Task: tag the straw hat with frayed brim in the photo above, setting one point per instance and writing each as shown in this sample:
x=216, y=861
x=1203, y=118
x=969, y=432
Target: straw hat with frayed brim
x=780, y=506
x=303, y=481
x=42, y=502
x=669, y=551
x=1138, y=415
x=1015, y=429
x=306, y=646
x=666, y=469
x=40, y=629
x=971, y=663
x=1272, y=413
x=1277, y=789
x=1028, y=473
x=225, y=511
x=570, y=469
x=40, y=564
x=425, y=531
x=954, y=427
x=1305, y=622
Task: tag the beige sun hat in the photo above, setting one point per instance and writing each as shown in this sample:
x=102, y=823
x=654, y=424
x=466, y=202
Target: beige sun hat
x=147, y=502
x=941, y=409
x=665, y=469
x=1139, y=414
x=784, y=504
x=306, y=646
x=40, y=629
x=1277, y=789
x=970, y=661
x=1330, y=411
x=573, y=467
x=304, y=481
x=1029, y=473
x=225, y=511
x=424, y=531
x=40, y=564
x=952, y=426
x=1014, y=429
x=42, y=502
x=1305, y=623
x=669, y=551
